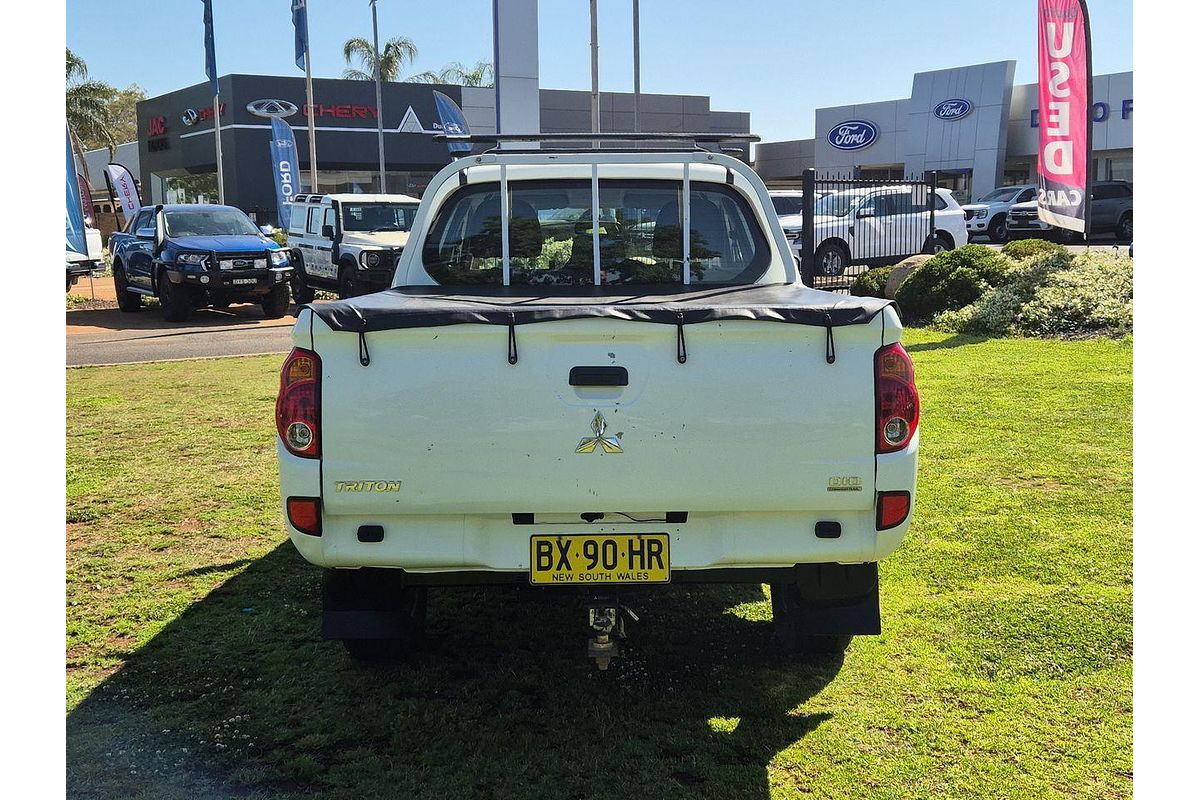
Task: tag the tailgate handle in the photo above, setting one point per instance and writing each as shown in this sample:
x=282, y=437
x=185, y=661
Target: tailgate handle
x=599, y=376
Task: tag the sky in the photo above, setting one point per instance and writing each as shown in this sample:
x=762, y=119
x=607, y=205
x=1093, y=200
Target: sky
x=778, y=59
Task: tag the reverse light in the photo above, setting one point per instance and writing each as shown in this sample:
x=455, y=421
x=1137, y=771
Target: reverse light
x=897, y=406
x=304, y=514
x=297, y=409
x=891, y=509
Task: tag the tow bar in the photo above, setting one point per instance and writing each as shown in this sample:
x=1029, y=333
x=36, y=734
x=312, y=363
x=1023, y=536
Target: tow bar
x=607, y=623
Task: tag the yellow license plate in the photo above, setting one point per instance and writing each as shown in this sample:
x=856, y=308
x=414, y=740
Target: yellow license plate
x=605, y=558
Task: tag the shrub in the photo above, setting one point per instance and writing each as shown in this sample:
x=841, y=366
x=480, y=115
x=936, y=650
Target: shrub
x=951, y=280
x=1095, y=294
x=1020, y=249
x=998, y=309
x=279, y=235
x=871, y=282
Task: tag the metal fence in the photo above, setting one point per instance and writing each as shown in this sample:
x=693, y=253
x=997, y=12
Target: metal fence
x=852, y=224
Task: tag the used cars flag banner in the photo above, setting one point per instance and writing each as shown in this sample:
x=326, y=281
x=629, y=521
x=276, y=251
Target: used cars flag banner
x=453, y=121
x=122, y=187
x=76, y=238
x=1064, y=113
x=283, y=164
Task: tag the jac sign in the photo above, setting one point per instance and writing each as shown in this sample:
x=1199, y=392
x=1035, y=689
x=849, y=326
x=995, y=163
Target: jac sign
x=1065, y=111
x=853, y=134
x=156, y=126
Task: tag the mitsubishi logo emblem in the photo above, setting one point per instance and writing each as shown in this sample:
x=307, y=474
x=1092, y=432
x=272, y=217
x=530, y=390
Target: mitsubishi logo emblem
x=607, y=444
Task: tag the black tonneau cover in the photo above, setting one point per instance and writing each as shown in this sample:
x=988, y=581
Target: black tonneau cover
x=432, y=306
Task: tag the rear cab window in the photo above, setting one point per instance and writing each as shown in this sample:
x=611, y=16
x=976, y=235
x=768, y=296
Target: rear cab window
x=554, y=227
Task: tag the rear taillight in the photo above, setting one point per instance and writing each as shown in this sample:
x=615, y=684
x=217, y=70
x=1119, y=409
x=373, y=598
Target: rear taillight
x=897, y=407
x=297, y=409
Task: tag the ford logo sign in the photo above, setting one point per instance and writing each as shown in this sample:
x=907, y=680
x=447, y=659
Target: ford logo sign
x=189, y=116
x=271, y=108
x=952, y=109
x=853, y=134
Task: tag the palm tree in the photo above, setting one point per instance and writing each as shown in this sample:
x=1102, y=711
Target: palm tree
x=88, y=112
x=395, y=54
x=481, y=74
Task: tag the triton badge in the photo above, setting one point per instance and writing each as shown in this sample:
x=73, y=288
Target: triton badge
x=607, y=444
x=366, y=486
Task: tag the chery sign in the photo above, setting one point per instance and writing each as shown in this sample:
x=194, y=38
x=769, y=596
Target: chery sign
x=1065, y=103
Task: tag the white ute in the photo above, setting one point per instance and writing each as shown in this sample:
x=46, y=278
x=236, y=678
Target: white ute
x=561, y=390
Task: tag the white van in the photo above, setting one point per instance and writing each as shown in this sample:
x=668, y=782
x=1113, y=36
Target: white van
x=347, y=243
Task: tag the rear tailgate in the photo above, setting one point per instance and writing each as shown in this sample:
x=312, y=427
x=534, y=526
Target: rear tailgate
x=754, y=420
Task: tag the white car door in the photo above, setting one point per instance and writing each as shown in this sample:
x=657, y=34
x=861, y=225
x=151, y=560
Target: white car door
x=869, y=239
x=317, y=256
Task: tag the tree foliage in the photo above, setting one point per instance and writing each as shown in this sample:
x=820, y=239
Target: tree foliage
x=396, y=53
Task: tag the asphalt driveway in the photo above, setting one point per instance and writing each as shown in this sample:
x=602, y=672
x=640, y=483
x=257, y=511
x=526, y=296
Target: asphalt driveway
x=109, y=336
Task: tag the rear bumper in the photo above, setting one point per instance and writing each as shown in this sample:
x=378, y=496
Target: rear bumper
x=457, y=549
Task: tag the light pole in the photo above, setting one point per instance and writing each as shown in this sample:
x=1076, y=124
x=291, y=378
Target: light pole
x=378, y=100
x=637, y=63
x=595, y=73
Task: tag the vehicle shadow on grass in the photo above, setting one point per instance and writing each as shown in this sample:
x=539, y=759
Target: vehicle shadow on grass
x=957, y=340
x=151, y=319
x=239, y=697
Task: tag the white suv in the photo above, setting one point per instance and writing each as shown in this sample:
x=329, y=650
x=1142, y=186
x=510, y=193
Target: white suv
x=878, y=225
x=348, y=243
x=989, y=215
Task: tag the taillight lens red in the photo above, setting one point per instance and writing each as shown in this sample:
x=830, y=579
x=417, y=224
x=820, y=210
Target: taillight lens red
x=297, y=409
x=891, y=509
x=304, y=513
x=897, y=407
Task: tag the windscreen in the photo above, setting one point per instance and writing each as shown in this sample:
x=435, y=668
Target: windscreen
x=787, y=204
x=1001, y=195
x=377, y=217
x=219, y=222
x=553, y=233
x=835, y=205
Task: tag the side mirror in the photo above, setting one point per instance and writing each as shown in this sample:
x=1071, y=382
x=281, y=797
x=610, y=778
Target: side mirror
x=327, y=231
x=146, y=233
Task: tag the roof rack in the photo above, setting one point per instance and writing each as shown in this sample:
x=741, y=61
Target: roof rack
x=593, y=139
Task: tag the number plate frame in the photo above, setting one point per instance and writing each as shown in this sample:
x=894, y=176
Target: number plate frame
x=653, y=567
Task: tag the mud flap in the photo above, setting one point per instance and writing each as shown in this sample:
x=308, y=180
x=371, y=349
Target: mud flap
x=371, y=604
x=830, y=600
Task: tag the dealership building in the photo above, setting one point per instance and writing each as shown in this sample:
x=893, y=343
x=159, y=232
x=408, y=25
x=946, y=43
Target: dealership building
x=176, y=154
x=972, y=124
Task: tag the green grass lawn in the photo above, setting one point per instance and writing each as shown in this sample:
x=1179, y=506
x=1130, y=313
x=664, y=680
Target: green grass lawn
x=195, y=668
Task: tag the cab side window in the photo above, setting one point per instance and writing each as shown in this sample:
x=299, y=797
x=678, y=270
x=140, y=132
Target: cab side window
x=1026, y=196
x=314, y=221
x=144, y=219
x=330, y=219
x=298, y=220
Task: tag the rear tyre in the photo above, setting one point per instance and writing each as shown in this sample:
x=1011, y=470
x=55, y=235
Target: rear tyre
x=176, y=300
x=832, y=259
x=1125, y=227
x=942, y=242
x=127, y=301
x=275, y=304
x=998, y=229
x=302, y=293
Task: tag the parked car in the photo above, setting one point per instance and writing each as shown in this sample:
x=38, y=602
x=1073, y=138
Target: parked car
x=879, y=225
x=347, y=243
x=604, y=413
x=1111, y=209
x=789, y=206
x=192, y=256
x=989, y=215
x=80, y=264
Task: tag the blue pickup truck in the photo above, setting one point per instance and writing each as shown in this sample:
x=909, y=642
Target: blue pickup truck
x=192, y=256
